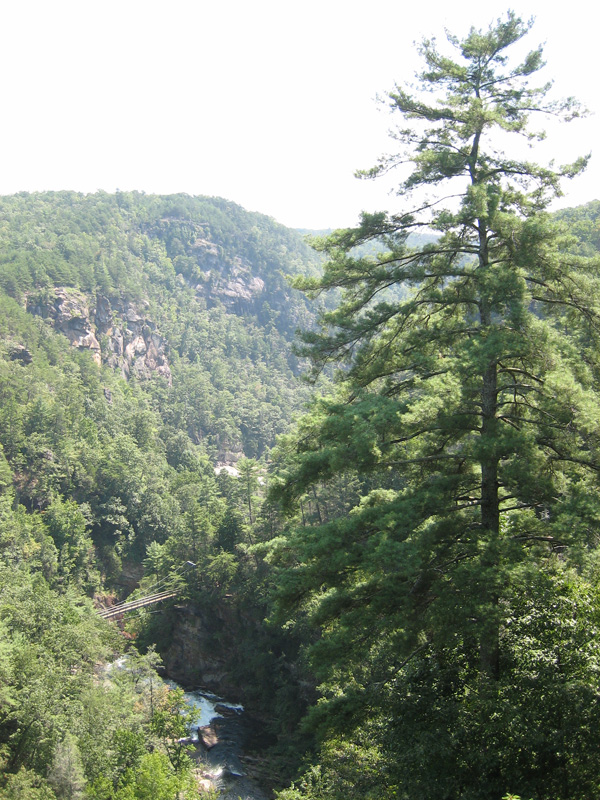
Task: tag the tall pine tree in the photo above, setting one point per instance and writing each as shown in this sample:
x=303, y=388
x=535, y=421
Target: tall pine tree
x=453, y=600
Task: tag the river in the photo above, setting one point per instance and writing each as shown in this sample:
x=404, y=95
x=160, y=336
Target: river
x=205, y=707
x=218, y=732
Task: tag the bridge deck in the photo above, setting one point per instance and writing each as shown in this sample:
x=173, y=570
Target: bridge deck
x=122, y=608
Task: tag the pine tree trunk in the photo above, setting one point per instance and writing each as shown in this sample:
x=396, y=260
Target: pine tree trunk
x=490, y=523
x=490, y=511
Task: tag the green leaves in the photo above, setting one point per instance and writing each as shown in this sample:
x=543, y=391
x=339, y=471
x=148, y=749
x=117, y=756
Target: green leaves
x=170, y=722
x=467, y=410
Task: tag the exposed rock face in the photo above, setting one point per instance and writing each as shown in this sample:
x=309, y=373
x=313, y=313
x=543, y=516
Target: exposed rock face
x=133, y=345
x=231, y=283
x=68, y=311
x=219, y=468
x=193, y=658
x=20, y=353
x=129, y=339
x=229, y=455
x=241, y=287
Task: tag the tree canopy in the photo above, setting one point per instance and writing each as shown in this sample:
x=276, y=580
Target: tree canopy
x=467, y=408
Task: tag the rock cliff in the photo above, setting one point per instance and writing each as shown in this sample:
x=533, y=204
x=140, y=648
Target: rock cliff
x=200, y=649
x=117, y=333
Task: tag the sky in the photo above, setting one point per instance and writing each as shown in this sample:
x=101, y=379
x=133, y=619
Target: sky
x=269, y=103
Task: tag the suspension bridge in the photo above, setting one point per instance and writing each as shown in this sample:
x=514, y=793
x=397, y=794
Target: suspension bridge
x=142, y=602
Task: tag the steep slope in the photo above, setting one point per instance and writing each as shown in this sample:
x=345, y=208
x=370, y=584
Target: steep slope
x=189, y=290
x=142, y=338
x=143, y=341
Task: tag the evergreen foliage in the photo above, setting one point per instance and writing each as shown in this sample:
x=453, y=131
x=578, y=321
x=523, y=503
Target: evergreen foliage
x=212, y=279
x=455, y=597
x=438, y=571
x=103, y=478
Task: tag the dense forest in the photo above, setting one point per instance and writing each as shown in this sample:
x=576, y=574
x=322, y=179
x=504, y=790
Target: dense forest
x=146, y=371
x=382, y=532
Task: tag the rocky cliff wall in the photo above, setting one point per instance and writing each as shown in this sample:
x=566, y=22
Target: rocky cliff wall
x=117, y=333
x=200, y=649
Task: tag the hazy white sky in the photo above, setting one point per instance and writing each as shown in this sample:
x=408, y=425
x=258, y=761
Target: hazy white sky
x=269, y=103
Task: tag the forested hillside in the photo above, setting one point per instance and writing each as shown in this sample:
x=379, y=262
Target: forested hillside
x=145, y=342
x=395, y=563
x=193, y=289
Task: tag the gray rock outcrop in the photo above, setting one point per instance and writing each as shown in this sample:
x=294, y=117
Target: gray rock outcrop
x=117, y=333
x=20, y=353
